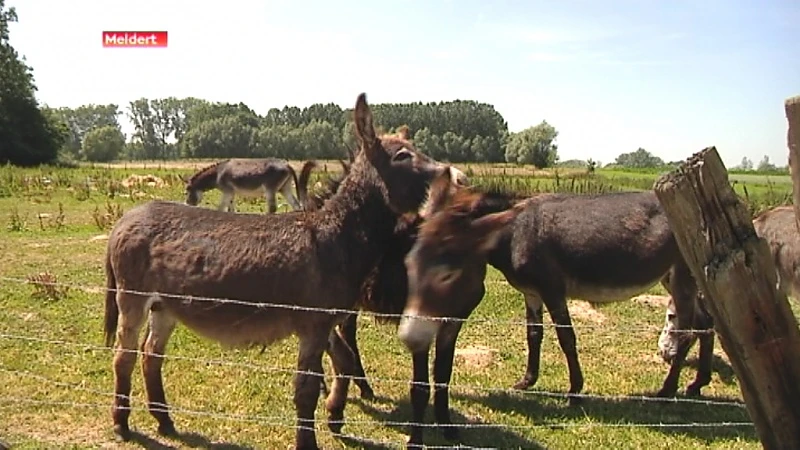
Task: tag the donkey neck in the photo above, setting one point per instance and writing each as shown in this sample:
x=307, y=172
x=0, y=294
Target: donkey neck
x=358, y=218
x=206, y=179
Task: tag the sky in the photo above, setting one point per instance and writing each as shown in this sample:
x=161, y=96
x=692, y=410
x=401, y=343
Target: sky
x=671, y=76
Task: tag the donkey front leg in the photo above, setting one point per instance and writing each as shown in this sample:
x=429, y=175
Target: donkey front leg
x=442, y=371
x=132, y=314
x=420, y=395
x=705, y=357
x=159, y=331
x=534, y=335
x=226, y=202
x=306, y=386
x=568, y=343
x=288, y=194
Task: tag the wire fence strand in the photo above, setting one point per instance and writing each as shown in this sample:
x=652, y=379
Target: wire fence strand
x=331, y=311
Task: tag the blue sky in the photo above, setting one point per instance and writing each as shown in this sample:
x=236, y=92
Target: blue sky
x=670, y=76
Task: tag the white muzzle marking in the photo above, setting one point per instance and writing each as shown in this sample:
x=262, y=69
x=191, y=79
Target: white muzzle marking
x=416, y=331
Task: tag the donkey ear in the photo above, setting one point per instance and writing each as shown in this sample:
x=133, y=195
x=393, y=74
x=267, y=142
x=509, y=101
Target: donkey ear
x=365, y=129
x=183, y=177
x=489, y=227
x=402, y=132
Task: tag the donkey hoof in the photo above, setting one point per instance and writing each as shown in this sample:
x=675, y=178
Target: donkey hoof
x=451, y=433
x=523, y=384
x=336, y=421
x=167, y=429
x=574, y=400
x=367, y=394
x=693, y=391
x=666, y=393
x=122, y=432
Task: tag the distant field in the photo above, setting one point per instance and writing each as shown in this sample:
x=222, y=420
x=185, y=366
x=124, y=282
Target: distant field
x=57, y=376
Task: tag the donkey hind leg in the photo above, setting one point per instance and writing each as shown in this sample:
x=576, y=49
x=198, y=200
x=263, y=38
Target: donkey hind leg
x=559, y=312
x=132, y=314
x=534, y=333
x=272, y=202
x=344, y=363
x=442, y=371
x=684, y=294
x=226, y=202
x=160, y=329
x=349, y=329
x=306, y=385
x=288, y=194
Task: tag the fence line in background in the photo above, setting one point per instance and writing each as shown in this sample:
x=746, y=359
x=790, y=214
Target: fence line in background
x=451, y=386
x=259, y=305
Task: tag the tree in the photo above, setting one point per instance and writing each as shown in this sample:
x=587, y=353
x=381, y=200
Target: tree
x=765, y=165
x=534, y=145
x=641, y=158
x=224, y=137
x=746, y=164
x=84, y=119
x=28, y=135
x=103, y=144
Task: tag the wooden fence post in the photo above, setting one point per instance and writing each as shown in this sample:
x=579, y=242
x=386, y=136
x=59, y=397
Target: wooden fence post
x=734, y=269
x=792, y=106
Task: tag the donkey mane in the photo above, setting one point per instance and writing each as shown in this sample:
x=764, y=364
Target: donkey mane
x=205, y=170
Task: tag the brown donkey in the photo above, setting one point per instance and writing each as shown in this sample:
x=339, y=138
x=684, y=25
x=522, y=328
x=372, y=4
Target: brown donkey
x=777, y=226
x=600, y=248
x=249, y=177
x=161, y=251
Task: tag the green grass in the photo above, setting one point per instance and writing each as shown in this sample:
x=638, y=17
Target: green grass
x=57, y=378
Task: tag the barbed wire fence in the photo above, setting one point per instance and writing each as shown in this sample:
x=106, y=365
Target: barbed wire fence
x=10, y=402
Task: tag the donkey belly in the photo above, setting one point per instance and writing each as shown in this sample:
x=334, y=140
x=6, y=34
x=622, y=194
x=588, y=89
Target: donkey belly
x=232, y=326
x=250, y=191
x=595, y=293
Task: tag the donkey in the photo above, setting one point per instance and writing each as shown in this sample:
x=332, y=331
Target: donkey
x=600, y=248
x=777, y=226
x=249, y=177
x=161, y=250
x=386, y=289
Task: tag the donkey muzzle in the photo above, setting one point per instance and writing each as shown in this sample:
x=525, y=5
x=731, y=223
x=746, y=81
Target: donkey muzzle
x=417, y=332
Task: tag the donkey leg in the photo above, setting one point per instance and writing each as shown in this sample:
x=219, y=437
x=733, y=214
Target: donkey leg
x=160, y=329
x=272, y=202
x=306, y=386
x=226, y=201
x=344, y=367
x=132, y=314
x=349, y=329
x=705, y=357
x=568, y=343
x=420, y=394
x=684, y=294
x=442, y=371
x=534, y=336
x=288, y=194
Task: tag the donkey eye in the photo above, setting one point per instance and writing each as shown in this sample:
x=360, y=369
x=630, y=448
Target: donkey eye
x=448, y=276
x=402, y=155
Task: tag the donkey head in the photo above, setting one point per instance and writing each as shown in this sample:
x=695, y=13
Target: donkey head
x=193, y=196
x=405, y=171
x=447, y=264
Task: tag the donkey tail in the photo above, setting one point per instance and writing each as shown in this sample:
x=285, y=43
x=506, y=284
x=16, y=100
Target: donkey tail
x=112, y=309
x=301, y=184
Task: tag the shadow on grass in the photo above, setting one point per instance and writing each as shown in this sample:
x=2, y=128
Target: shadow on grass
x=492, y=436
x=544, y=411
x=191, y=440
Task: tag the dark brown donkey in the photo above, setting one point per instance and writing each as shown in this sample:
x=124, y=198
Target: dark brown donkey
x=600, y=248
x=161, y=251
x=249, y=177
x=776, y=226
x=386, y=289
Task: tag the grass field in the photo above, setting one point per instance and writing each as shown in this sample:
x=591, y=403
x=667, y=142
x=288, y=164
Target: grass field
x=57, y=382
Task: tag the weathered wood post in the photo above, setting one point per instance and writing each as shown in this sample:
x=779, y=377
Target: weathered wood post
x=792, y=106
x=733, y=268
